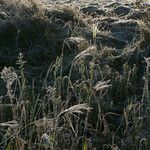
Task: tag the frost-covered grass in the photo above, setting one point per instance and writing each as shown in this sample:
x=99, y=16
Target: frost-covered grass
x=74, y=80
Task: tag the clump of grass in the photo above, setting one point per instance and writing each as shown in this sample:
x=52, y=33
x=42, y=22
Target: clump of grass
x=26, y=118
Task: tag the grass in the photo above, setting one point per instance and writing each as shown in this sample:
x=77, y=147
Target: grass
x=68, y=82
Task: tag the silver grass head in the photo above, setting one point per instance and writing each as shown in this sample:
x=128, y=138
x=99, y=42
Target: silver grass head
x=89, y=52
x=102, y=85
x=11, y=124
x=79, y=108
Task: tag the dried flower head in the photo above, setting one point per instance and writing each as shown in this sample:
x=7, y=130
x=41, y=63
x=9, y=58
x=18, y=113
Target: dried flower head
x=9, y=76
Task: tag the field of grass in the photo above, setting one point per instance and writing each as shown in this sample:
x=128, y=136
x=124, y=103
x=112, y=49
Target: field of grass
x=74, y=77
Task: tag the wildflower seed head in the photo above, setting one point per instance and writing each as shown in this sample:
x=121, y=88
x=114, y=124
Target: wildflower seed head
x=20, y=61
x=8, y=75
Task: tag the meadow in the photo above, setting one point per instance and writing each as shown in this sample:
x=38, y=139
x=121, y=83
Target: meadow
x=74, y=76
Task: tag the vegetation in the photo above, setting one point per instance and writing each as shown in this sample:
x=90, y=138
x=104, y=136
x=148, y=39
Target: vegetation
x=74, y=77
